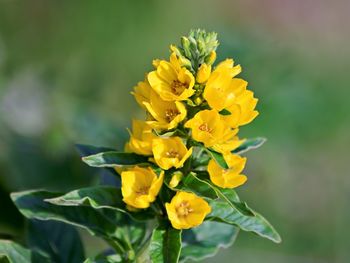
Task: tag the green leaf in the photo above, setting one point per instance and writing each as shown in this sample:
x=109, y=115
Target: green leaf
x=114, y=159
x=165, y=245
x=86, y=150
x=14, y=253
x=206, y=240
x=32, y=204
x=59, y=240
x=218, y=157
x=191, y=183
x=231, y=197
x=100, y=197
x=250, y=144
x=230, y=211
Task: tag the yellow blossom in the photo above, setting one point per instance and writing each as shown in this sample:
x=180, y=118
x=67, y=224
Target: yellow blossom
x=222, y=89
x=231, y=177
x=140, y=186
x=170, y=152
x=142, y=93
x=171, y=81
x=141, y=138
x=186, y=210
x=242, y=111
x=165, y=115
x=203, y=73
x=210, y=128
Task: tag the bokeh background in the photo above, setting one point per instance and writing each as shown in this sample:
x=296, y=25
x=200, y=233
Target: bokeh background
x=67, y=69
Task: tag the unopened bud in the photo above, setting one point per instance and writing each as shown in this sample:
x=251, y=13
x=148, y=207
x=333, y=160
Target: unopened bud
x=175, y=179
x=210, y=59
x=186, y=46
x=203, y=73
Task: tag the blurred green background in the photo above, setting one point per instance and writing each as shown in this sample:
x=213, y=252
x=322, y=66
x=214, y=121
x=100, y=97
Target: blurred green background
x=67, y=69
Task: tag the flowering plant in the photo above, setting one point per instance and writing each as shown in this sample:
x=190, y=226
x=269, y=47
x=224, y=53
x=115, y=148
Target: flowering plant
x=174, y=198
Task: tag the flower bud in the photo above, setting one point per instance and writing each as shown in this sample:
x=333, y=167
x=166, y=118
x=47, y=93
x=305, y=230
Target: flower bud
x=210, y=59
x=198, y=101
x=175, y=179
x=203, y=73
x=186, y=46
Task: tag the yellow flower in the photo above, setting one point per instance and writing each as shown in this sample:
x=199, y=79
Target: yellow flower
x=171, y=81
x=142, y=93
x=140, y=186
x=203, y=73
x=141, y=138
x=231, y=177
x=210, y=128
x=170, y=152
x=165, y=115
x=187, y=210
x=222, y=89
x=242, y=111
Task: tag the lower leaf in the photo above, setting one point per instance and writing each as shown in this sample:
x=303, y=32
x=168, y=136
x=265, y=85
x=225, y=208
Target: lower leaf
x=165, y=245
x=14, y=253
x=205, y=241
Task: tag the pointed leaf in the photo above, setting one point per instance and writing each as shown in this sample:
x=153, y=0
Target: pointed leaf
x=192, y=183
x=109, y=176
x=218, y=157
x=32, y=205
x=86, y=150
x=114, y=159
x=226, y=210
x=165, y=245
x=100, y=197
x=250, y=144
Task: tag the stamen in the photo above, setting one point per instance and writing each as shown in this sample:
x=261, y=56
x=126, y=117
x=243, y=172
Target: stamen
x=172, y=154
x=205, y=127
x=177, y=87
x=184, y=209
x=170, y=114
x=142, y=190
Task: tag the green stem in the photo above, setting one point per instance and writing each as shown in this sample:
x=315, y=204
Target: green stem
x=115, y=244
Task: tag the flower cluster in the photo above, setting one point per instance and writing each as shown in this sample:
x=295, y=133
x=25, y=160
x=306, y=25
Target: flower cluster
x=193, y=111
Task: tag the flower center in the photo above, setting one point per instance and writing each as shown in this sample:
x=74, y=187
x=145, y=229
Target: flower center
x=143, y=190
x=177, y=87
x=172, y=154
x=205, y=127
x=183, y=209
x=170, y=114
